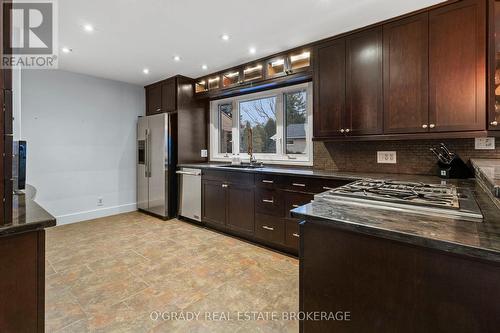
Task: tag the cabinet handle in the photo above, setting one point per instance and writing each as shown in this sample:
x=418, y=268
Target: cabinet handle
x=295, y=235
x=159, y=109
x=299, y=185
x=295, y=206
x=268, y=201
x=224, y=185
x=425, y=126
x=494, y=123
x=268, y=181
x=327, y=188
x=267, y=228
x=432, y=125
x=347, y=130
x=342, y=130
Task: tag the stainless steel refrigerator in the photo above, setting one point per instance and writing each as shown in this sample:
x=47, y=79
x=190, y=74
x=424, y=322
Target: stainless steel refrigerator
x=156, y=181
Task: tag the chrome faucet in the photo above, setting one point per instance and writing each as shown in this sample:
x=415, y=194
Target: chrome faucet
x=253, y=160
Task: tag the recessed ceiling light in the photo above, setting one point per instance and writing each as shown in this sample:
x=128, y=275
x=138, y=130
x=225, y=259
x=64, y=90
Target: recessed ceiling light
x=252, y=50
x=66, y=50
x=225, y=37
x=145, y=71
x=177, y=58
x=88, y=28
x=204, y=67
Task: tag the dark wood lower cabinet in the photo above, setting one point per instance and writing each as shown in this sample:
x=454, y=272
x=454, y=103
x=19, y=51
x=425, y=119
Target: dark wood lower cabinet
x=389, y=286
x=22, y=282
x=257, y=206
x=240, y=211
x=214, y=202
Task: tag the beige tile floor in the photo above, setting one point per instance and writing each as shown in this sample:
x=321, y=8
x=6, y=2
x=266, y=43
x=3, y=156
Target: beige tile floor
x=113, y=274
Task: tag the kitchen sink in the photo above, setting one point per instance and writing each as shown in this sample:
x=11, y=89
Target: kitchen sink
x=243, y=166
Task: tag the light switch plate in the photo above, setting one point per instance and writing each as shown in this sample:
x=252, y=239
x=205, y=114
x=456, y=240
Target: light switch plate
x=386, y=157
x=485, y=143
x=204, y=153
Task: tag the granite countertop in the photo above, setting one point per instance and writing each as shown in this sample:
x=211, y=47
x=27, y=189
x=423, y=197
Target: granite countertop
x=475, y=239
x=27, y=216
x=314, y=173
x=488, y=172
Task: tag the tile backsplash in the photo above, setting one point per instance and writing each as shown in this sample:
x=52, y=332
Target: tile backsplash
x=413, y=157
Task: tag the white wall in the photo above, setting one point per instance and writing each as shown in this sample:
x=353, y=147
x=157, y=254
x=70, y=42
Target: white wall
x=81, y=134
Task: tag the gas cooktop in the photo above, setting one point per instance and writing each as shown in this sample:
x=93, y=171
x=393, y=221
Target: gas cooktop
x=432, y=199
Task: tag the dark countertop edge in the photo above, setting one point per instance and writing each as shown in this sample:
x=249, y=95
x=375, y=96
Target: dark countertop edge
x=485, y=179
x=307, y=172
x=28, y=216
x=408, y=238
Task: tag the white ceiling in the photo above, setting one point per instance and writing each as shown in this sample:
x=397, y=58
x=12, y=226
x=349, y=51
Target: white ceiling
x=134, y=34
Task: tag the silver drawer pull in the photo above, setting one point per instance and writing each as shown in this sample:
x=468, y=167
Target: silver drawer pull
x=299, y=185
x=224, y=185
x=295, y=235
x=295, y=206
x=327, y=188
x=267, y=228
x=268, y=181
x=267, y=201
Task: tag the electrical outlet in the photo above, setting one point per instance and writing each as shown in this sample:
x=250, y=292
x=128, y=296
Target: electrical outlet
x=100, y=202
x=204, y=153
x=485, y=143
x=386, y=157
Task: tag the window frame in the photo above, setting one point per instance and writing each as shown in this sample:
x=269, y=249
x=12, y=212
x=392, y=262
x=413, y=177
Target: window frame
x=280, y=157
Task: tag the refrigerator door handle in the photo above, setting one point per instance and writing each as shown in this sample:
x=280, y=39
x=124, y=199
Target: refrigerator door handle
x=147, y=173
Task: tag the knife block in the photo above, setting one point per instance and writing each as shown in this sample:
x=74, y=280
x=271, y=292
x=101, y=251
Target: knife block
x=455, y=169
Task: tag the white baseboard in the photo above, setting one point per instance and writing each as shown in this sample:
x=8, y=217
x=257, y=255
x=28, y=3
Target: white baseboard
x=95, y=214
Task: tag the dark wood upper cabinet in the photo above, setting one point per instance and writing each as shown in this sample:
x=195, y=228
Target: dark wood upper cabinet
x=406, y=75
x=169, y=95
x=494, y=66
x=153, y=99
x=457, y=67
x=364, y=88
x=329, y=87
x=240, y=210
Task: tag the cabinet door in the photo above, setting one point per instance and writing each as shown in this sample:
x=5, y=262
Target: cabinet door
x=329, y=89
x=364, y=101
x=240, y=208
x=153, y=100
x=214, y=202
x=457, y=67
x=169, y=95
x=406, y=75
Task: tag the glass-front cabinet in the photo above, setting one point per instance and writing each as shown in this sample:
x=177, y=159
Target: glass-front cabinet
x=230, y=78
x=276, y=67
x=253, y=72
x=494, y=114
x=299, y=61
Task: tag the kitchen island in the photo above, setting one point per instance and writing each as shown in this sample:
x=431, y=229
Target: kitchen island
x=396, y=271
x=22, y=267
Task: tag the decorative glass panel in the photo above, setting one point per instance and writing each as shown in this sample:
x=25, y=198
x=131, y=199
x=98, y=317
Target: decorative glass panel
x=213, y=83
x=201, y=86
x=252, y=73
x=276, y=67
x=300, y=60
x=258, y=119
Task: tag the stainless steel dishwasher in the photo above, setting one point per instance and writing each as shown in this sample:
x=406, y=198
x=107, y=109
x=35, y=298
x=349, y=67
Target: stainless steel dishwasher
x=190, y=196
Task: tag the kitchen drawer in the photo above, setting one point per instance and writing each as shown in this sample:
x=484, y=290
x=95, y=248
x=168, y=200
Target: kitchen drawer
x=299, y=184
x=268, y=181
x=269, y=201
x=270, y=228
x=292, y=233
x=319, y=185
x=296, y=199
x=229, y=176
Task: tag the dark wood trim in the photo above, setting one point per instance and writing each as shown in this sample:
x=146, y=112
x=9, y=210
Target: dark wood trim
x=491, y=58
x=413, y=136
x=5, y=123
x=41, y=281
